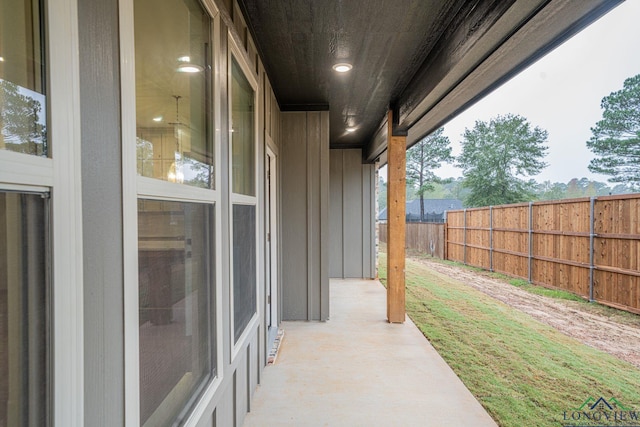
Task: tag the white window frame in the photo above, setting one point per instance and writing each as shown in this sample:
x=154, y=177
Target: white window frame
x=137, y=187
x=235, y=52
x=60, y=175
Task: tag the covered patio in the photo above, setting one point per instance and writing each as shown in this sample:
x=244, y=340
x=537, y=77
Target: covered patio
x=357, y=369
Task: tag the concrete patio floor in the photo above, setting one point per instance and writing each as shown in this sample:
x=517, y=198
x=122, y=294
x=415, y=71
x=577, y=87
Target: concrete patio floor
x=358, y=370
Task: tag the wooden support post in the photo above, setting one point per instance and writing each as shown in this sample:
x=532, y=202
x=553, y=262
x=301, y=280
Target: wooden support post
x=396, y=223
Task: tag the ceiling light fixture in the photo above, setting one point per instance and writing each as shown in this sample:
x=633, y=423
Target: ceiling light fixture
x=189, y=68
x=157, y=119
x=184, y=58
x=351, y=129
x=343, y=67
x=1, y=58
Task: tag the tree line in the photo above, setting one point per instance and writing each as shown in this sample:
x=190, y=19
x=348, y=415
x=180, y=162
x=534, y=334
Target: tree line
x=500, y=157
x=452, y=188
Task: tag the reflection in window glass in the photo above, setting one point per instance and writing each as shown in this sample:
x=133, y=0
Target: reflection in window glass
x=23, y=307
x=173, y=70
x=22, y=94
x=242, y=118
x=175, y=307
x=244, y=267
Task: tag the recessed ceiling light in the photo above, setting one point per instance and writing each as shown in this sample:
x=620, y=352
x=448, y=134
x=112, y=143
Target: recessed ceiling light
x=189, y=68
x=157, y=119
x=184, y=58
x=1, y=58
x=342, y=67
x=351, y=129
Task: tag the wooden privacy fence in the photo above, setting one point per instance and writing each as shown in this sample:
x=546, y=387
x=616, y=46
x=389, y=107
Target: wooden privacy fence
x=426, y=237
x=588, y=246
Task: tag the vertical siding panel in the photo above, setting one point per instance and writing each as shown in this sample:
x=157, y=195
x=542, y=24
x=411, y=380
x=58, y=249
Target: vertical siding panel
x=335, y=214
x=253, y=365
x=226, y=415
x=294, y=216
x=241, y=404
x=352, y=211
x=102, y=213
x=313, y=215
x=324, y=228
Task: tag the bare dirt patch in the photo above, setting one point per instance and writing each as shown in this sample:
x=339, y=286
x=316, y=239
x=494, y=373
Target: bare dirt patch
x=597, y=326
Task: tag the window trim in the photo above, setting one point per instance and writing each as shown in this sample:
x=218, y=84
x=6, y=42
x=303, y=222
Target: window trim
x=67, y=260
x=25, y=169
x=165, y=190
x=135, y=187
x=235, y=52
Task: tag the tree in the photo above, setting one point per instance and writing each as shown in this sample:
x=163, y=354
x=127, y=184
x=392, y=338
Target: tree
x=551, y=191
x=422, y=159
x=382, y=193
x=20, y=125
x=455, y=189
x=573, y=189
x=615, y=139
x=496, y=155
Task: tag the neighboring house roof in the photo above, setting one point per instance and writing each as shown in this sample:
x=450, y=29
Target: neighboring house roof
x=431, y=206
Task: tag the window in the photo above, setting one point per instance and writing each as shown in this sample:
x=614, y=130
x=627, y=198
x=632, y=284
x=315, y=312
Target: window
x=173, y=51
x=22, y=91
x=40, y=238
x=24, y=374
x=176, y=208
x=243, y=197
x=25, y=183
x=175, y=298
x=243, y=140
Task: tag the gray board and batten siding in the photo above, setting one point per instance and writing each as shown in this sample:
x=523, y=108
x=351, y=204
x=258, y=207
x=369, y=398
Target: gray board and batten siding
x=352, y=209
x=305, y=215
x=102, y=221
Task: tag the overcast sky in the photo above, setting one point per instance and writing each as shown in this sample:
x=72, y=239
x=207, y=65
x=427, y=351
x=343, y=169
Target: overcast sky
x=562, y=92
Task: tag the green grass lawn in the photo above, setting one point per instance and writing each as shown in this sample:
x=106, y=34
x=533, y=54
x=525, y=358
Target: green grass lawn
x=523, y=372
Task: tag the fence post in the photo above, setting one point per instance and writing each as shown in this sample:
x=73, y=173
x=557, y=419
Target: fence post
x=491, y=238
x=445, y=236
x=530, y=242
x=464, y=246
x=592, y=204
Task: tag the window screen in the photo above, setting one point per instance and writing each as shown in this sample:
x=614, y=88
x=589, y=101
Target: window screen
x=244, y=266
x=24, y=376
x=175, y=306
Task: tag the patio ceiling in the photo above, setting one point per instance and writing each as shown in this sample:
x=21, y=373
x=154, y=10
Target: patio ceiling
x=425, y=60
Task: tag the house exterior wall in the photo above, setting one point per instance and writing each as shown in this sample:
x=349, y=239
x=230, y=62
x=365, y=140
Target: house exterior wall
x=352, y=213
x=305, y=215
x=95, y=281
x=107, y=351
